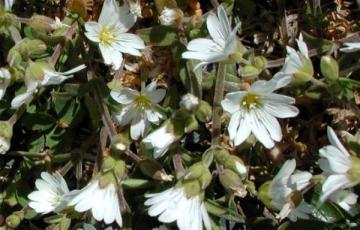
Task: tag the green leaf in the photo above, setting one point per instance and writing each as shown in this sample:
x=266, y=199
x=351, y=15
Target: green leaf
x=220, y=211
x=53, y=219
x=304, y=224
x=40, y=121
x=158, y=35
x=67, y=107
x=133, y=183
x=328, y=212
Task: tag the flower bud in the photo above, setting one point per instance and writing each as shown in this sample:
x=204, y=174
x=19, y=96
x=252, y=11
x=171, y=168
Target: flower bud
x=119, y=144
x=232, y=183
x=189, y=102
x=14, y=57
x=260, y=62
x=42, y=23
x=199, y=172
x=171, y=17
x=237, y=165
x=6, y=132
x=329, y=68
x=249, y=71
x=154, y=169
x=203, y=112
x=14, y=220
x=7, y=19
x=31, y=48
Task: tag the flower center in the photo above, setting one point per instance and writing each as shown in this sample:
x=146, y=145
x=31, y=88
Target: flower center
x=142, y=102
x=251, y=101
x=106, y=36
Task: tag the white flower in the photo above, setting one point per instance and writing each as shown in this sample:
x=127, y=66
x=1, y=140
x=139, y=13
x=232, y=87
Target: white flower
x=52, y=194
x=5, y=78
x=298, y=63
x=170, y=17
x=139, y=108
x=110, y=33
x=285, y=192
x=174, y=205
x=160, y=140
x=49, y=77
x=103, y=202
x=255, y=111
x=189, y=102
x=336, y=163
x=221, y=45
x=350, y=47
x=8, y=4
x=345, y=199
x=58, y=24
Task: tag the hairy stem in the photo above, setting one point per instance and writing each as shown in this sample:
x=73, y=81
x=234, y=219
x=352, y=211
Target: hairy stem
x=217, y=110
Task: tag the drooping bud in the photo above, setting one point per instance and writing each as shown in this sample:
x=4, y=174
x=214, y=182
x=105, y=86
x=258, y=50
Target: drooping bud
x=171, y=16
x=6, y=132
x=232, y=183
x=154, y=169
x=31, y=48
x=329, y=68
x=203, y=112
x=42, y=23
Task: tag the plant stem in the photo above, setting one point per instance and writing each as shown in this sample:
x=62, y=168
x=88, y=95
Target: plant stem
x=217, y=110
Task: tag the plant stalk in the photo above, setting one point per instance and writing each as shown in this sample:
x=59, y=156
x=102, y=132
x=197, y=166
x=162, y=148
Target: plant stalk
x=217, y=110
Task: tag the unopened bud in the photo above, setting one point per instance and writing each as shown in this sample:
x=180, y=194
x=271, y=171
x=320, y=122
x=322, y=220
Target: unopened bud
x=42, y=23
x=14, y=220
x=200, y=173
x=203, y=112
x=189, y=102
x=14, y=57
x=171, y=16
x=6, y=132
x=329, y=68
x=260, y=62
x=237, y=165
x=154, y=169
x=249, y=71
x=31, y=48
x=7, y=19
x=119, y=144
x=232, y=183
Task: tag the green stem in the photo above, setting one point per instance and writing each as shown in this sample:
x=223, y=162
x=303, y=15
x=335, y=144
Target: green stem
x=217, y=110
